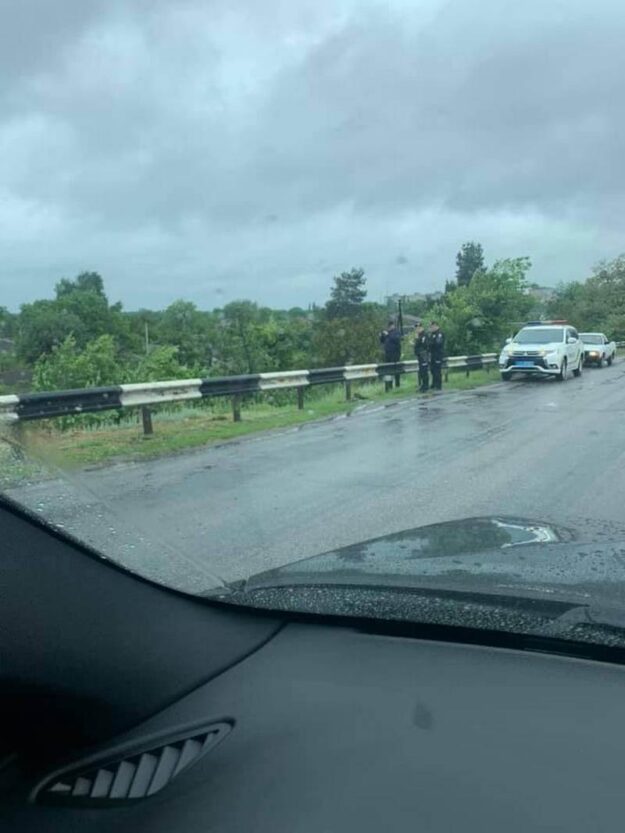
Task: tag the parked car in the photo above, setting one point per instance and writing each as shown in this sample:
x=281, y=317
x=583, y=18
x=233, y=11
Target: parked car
x=543, y=350
x=597, y=349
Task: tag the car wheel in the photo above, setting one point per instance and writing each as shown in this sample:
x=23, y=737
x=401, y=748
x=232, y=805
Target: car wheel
x=505, y=377
x=564, y=373
x=579, y=368
x=610, y=360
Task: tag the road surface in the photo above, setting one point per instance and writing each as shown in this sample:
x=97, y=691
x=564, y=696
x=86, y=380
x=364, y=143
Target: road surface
x=538, y=449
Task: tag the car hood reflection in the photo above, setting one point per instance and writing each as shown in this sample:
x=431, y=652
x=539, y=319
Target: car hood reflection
x=485, y=554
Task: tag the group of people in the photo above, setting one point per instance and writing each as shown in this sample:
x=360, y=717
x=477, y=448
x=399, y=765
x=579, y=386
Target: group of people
x=429, y=349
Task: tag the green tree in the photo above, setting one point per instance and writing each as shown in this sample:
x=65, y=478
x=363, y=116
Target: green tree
x=160, y=365
x=347, y=295
x=68, y=366
x=245, y=338
x=469, y=260
x=192, y=331
x=85, y=282
x=8, y=323
x=597, y=303
x=355, y=340
x=477, y=318
x=80, y=308
x=42, y=326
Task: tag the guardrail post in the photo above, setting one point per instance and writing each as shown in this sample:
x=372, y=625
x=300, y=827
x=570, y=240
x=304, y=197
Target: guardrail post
x=236, y=408
x=388, y=384
x=146, y=418
x=15, y=434
x=467, y=371
x=300, y=399
x=348, y=391
x=446, y=375
x=397, y=379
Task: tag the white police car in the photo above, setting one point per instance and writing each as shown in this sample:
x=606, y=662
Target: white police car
x=543, y=349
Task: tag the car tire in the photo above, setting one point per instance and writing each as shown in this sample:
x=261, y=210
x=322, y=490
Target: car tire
x=563, y=375
x=600, y=362
x=610, y=360
x=506, y=377
x=578, y=370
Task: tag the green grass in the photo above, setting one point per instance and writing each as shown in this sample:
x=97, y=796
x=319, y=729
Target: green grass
x=190, y=428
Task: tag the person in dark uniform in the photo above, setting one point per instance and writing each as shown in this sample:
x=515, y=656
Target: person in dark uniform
x=437, y=354
x=390, y=340
x=422, y=353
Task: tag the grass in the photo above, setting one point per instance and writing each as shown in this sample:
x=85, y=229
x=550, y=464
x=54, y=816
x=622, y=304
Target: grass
x=190, y=428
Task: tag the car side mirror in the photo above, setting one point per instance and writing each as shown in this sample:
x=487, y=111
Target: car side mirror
x=571, y=340
x=508, y=341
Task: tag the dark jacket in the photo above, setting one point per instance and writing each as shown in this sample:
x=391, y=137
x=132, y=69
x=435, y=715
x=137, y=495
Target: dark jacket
x=437, y=346
x=422, y=347
x=391, y=341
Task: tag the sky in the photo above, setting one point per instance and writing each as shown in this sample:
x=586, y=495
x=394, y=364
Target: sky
x=224, y=149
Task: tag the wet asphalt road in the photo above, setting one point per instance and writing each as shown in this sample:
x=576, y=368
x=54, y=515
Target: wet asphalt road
x=539, y=449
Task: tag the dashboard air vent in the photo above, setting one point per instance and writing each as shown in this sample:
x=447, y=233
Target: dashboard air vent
x=133, y=776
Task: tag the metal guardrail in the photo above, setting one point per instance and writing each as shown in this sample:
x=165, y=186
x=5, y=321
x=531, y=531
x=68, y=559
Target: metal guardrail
x=46, y=405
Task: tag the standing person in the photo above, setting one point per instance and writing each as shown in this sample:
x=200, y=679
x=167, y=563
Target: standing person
x=390, y=339
x=437, y=354
x=422, y=353
x=391, y=342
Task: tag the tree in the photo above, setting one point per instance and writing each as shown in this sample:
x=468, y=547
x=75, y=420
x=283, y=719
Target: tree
x=69, y=366
x=80, y=308
x=347, y=294
x=42, y=326
x=160, y=365
x=8, y=323
x=476, y=318
x=190, y=330
x=469, y=260
x=355, y=340
x=85, y=282
x=244, y=347
x=597, y=303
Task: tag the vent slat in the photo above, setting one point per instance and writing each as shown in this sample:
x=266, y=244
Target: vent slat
x=82, y=786
x=61, y=787
x=191, y=749
x=143, y=775
x=102, y=784
x=123, y=779
x=165, y=769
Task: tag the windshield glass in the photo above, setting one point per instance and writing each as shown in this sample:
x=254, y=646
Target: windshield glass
x=591, y=338
x=536, y=335
x=258, y=265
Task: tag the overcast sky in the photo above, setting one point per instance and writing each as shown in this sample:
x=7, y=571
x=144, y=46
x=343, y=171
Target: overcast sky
x=222, y=149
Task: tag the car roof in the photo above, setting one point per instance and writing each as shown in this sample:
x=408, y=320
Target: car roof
x=546, y=326
x=593, y=333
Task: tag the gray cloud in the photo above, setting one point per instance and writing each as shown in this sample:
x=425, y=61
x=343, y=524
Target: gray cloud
x=194, y=148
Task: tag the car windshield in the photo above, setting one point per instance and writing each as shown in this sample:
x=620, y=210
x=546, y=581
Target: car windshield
x=591, y=338
x=258, y=265
x=538, y=335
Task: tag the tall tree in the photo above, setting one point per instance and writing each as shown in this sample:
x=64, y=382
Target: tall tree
x=85, y=282
x=347, y=294
x=469, y=260
x=8, y=323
